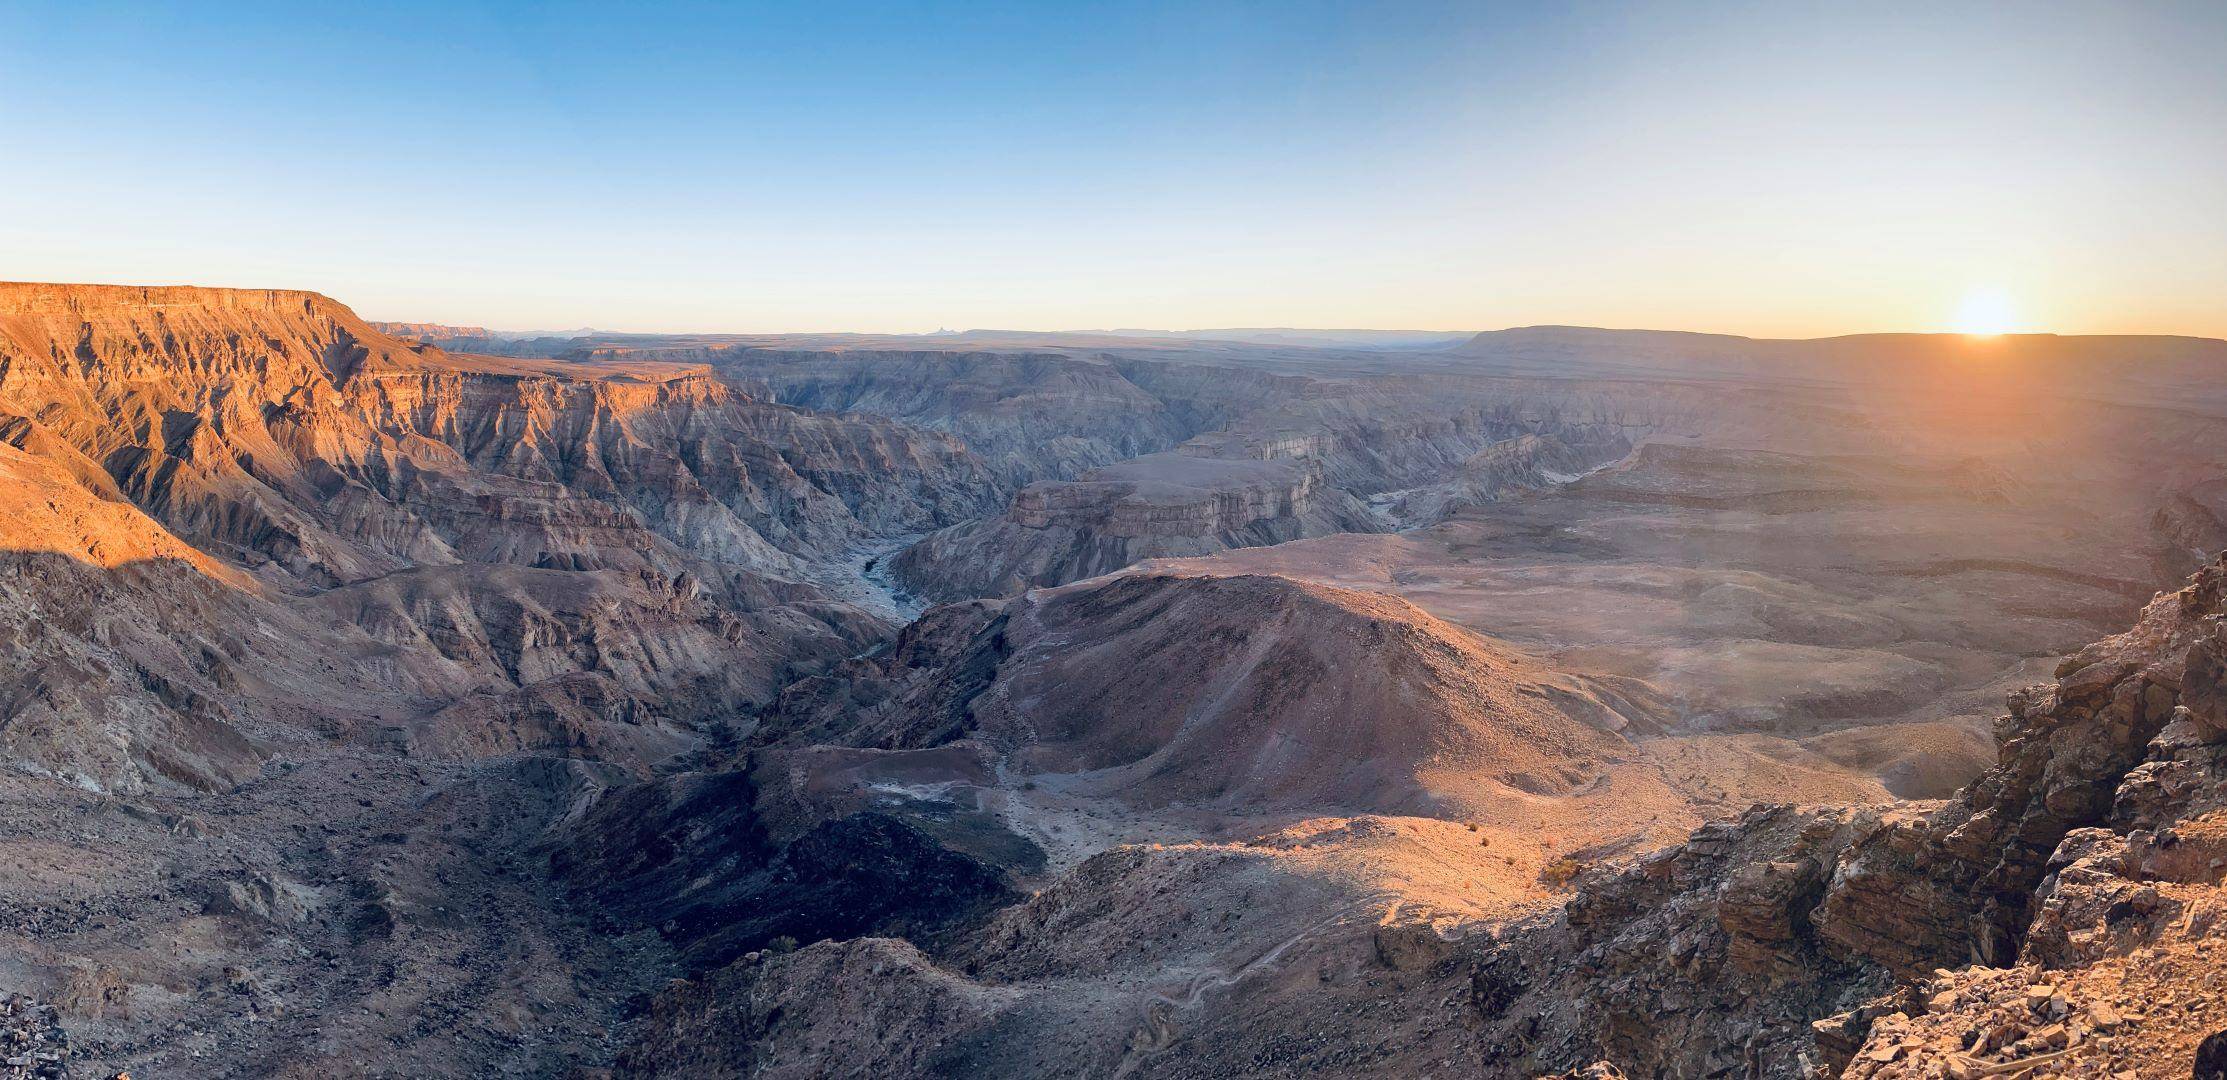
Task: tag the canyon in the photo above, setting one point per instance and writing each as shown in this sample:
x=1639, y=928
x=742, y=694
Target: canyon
x=395, y=699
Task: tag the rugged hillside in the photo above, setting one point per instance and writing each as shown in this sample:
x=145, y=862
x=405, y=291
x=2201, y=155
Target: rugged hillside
x=1239, y=719
x=327, y=530
x=308, y=637
x=690, y=856
x=1245, y=693
x=106, y=636
x=2059, y=914
x=2056, y=913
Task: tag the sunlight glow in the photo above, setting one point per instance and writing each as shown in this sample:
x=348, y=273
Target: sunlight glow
x=1986, y=312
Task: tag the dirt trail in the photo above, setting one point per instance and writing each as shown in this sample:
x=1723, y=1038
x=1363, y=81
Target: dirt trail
x=1160, y=1027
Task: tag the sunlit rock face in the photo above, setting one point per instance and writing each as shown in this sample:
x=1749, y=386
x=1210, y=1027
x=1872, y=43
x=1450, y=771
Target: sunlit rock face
x=243, y=512
x=279, y=429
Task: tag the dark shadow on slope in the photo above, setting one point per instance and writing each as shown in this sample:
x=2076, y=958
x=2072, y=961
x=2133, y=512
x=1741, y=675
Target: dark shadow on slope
x=688, y=857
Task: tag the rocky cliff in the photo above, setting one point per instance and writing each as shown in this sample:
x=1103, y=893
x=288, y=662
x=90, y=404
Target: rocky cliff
x=277, y=429
x=326, y=529
x=2059, y=913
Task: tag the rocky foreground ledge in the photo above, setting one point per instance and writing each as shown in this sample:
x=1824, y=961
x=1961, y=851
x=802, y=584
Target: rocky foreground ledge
x=2062, y=916
x=33, y=1045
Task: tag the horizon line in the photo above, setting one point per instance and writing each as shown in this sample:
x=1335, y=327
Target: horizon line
x=1130, y=330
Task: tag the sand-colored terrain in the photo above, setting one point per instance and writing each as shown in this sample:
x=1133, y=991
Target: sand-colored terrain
x=1305, y=708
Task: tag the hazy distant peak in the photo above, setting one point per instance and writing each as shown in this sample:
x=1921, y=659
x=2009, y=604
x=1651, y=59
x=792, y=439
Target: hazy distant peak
x=427, y=331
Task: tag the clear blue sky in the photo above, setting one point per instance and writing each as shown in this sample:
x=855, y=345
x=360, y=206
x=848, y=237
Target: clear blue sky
x=1777, y=168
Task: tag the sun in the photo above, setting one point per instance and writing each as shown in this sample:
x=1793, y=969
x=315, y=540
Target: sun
x=1986, y=312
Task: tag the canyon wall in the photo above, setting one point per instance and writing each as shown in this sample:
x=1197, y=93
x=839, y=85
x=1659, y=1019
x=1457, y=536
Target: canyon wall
x=1157, y=506
x=334, y=531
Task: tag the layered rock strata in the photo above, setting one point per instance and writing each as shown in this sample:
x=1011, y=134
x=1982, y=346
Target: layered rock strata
x=1157, y=506
x=240, y=516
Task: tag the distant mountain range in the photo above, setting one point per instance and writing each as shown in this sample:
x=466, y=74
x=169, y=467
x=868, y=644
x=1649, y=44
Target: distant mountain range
x=1350, y=339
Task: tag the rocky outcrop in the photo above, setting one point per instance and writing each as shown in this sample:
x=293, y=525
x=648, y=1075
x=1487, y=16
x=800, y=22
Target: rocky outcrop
x=1697, y=961
x=1959, y=886
x=872, y=1006
x=33, y=1045
x=2106, y=958
x=2056, y=913
x=917, y=693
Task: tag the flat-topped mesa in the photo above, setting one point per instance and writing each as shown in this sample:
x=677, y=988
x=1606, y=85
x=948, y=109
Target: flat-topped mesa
x=280, y=431
x=189, y=336
x=193, y=333
x=231, y=357
x=424, y=331
x=60, y=298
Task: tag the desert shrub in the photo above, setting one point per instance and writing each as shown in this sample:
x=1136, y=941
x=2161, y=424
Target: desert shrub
x=1561, y=871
